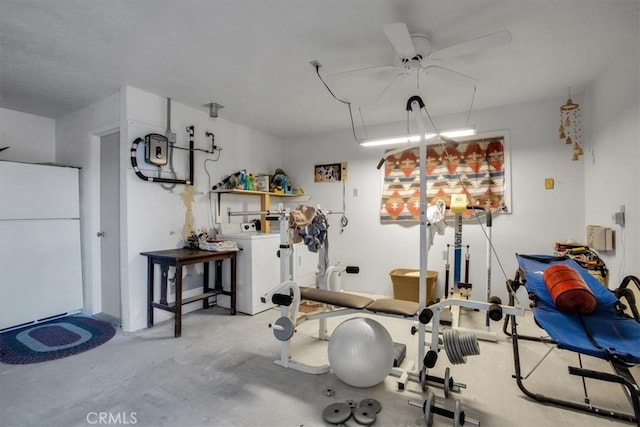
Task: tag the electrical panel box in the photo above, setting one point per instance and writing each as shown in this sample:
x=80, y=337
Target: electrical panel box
x=599, y=238
x=156, y=147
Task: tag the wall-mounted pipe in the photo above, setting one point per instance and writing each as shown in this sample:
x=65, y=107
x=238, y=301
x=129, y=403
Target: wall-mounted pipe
x=136, y=169
x=192, y=132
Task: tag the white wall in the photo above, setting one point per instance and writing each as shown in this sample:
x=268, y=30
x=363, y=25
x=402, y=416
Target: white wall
x=30, y=138
x=76, y=145
x=539, y=217
x=612, y=155
x=155, y=217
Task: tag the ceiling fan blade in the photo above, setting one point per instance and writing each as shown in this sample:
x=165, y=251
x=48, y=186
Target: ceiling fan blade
x=490, y=40
x=398, y=35
x=363, y=71
x=388, y=86
x=448, y=74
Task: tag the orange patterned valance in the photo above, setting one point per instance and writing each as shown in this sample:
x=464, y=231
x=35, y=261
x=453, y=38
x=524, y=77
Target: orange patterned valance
x=475, y=168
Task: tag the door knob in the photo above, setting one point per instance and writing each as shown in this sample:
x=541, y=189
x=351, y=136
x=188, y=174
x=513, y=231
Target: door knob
x=100, y=234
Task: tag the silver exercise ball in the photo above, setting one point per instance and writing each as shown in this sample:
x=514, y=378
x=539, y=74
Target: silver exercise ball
x=361, y=352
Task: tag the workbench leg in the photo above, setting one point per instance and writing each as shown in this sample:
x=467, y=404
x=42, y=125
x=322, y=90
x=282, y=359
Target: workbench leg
x=164, y=280
x=150, y=296
x=178, y=317
x=205, y=283
x=218, y=280
x=233, y=284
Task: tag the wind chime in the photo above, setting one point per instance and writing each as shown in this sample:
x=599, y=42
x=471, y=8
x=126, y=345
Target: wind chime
x=571, y=126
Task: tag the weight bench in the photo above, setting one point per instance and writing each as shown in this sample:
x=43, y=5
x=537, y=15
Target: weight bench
x=606, y=333
x=289, y=294
x=346, y=300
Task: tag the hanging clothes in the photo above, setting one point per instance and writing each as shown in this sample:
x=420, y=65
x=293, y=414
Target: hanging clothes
x=436, y=218
x=309, y=225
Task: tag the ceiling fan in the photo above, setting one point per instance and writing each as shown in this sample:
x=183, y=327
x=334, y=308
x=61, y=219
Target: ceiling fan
x=417, y=57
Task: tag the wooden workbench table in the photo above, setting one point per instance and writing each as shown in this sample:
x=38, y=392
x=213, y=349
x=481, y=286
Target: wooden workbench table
x=178, y=258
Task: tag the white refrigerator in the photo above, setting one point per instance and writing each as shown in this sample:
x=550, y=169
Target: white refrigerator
x=40, y=261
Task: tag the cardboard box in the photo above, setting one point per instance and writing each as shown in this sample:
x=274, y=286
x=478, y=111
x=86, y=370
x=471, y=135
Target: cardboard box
x=599, y=238
x=405, y=284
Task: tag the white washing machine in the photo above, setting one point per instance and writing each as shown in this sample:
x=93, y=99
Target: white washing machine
x=257, y=272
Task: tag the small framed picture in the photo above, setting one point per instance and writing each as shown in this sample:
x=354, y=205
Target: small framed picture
x=333, y=172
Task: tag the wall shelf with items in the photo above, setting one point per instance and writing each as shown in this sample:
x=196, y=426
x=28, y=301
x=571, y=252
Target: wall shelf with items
x=265, y=202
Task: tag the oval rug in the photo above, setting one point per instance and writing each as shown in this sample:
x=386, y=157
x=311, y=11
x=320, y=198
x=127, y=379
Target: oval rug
x=53, y=339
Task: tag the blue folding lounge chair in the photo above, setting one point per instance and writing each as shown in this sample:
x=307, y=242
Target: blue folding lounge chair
x=606, y=333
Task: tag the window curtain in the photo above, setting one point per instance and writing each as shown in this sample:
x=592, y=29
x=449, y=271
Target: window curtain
x=475, y=168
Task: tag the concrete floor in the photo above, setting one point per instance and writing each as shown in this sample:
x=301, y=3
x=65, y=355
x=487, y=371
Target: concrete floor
x=221, y=373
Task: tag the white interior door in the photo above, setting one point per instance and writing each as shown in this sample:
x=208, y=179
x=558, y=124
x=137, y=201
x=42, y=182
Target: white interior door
x=109, y=232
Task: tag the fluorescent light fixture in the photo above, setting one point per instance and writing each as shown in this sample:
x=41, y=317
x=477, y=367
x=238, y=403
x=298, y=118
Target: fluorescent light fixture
x=459, y=133
x=391, y=141
x=454, y=133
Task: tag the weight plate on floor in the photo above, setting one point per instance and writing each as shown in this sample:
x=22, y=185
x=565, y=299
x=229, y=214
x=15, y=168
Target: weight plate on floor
x=286, y=330
x=336, y=413
x=364, y=415
x=371, y=404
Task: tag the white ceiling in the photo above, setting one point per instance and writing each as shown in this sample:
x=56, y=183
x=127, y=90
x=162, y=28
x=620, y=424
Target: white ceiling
x=253, y=56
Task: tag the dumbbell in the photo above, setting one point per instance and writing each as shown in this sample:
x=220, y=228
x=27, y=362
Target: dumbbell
x=429, y=408
x=447, y=383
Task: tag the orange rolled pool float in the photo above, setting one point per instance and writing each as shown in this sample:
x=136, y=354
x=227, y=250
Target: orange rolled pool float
x=568, y=290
